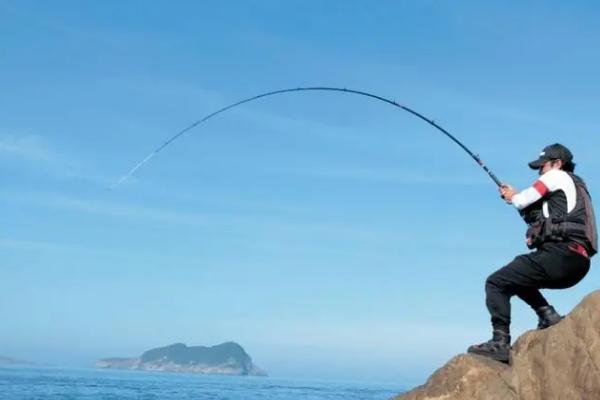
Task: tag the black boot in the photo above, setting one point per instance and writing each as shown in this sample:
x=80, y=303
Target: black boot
x=547, y=317
x=498, y=348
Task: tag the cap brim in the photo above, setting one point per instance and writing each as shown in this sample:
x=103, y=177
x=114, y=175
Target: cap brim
x=536, y=164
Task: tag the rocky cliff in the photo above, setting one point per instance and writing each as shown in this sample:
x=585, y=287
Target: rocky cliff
x=224, y=359
x=559, y=363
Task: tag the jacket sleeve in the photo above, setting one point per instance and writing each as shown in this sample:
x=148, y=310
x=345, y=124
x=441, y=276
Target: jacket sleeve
x=547, y=183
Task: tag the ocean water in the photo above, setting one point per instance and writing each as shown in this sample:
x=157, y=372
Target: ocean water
x=56, y=383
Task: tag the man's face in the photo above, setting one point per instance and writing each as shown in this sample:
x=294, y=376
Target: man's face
x=548, y=165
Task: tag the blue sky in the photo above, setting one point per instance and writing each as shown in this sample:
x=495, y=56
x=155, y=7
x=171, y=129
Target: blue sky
x=330, y=235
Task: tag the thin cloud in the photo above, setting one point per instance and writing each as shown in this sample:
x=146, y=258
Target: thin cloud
x=121, y=210
x=38, y=246
x=27, y=147
x=388, y=176
x=41, y=157
x=277, y=225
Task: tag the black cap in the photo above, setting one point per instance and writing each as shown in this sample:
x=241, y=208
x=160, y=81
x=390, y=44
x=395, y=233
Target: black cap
x=555, y=151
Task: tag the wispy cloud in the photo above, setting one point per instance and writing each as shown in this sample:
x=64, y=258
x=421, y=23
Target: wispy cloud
x=279, y=225
x=389, y=176
x=34, y=245
x=42, y=157
x=366, y=337
x=28, y=147
x=126, y=210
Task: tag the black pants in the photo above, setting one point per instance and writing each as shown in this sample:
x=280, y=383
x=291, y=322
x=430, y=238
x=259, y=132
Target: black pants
x=528, y=273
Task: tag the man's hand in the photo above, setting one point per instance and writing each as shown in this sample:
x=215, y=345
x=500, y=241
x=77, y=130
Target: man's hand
x=507, y=192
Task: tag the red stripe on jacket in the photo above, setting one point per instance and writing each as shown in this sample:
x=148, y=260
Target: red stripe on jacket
x=541, y=188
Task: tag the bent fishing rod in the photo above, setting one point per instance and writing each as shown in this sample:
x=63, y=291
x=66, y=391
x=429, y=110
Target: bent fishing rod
x=306, y=89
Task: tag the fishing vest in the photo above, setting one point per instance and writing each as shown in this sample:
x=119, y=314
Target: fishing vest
x=555, y=224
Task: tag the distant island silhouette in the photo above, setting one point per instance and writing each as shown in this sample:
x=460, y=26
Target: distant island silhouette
x=224, y=359
x=13, y=361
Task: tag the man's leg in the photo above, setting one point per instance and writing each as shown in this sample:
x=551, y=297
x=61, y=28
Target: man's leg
x=522, y=277
x=563, y=271
x=532, y=297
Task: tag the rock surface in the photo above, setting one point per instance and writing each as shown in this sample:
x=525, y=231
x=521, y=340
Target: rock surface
x=224, y=359
x=558, y=363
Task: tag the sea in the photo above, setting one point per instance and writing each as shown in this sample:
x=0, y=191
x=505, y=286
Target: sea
x=48, y=383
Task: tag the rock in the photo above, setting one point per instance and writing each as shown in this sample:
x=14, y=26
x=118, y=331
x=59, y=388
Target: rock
x=558, y=363
x=461, y=378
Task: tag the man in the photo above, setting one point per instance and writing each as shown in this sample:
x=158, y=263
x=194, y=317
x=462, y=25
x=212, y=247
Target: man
x=561, y=229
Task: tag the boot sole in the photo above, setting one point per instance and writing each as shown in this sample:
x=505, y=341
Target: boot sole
x=494, y=356
x=548, y=326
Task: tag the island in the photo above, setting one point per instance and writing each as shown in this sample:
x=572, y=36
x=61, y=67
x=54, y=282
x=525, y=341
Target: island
x=224, y=359
x=13, y=361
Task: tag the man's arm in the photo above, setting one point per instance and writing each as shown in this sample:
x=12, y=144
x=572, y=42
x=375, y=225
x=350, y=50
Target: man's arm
x=530, y=195
x=547, y=183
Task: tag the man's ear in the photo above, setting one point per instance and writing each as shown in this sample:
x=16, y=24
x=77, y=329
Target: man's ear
x=557, y=163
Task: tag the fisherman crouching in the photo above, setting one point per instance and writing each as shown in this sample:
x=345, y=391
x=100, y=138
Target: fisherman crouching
x=561, y=228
